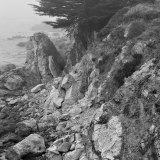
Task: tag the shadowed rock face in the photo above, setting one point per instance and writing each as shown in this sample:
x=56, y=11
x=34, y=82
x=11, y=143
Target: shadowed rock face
x=43, y=55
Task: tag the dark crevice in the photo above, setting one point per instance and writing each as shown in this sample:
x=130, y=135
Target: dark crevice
x=90, y=133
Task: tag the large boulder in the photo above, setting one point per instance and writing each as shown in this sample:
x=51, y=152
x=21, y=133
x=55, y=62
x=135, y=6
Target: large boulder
x=33, y=144
x=43, y=55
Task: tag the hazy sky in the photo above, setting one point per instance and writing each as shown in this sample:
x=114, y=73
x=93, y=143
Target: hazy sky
x=18, y=10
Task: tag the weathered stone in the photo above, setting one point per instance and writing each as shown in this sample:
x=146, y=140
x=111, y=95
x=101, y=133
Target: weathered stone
x=83, y=157
x=53, y=156
x=2, y=115
x=2, y=104
x=7, y=68
x=76, y=128
x=32, y=144
x=108, y=141
x=53, y=149
x=75, y=111
x=14, y=101
x=67, y=82
x=4, y=92
x=13, y=82
x=58, y=103
x=53, y=100
x=74, y=155
x=25, y=127
x=61, y=126
x=37, y=88
x=65, y=147
x=72, y=93
x=29, y=123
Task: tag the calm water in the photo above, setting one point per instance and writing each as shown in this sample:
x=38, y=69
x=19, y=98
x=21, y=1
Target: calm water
x=9, y=51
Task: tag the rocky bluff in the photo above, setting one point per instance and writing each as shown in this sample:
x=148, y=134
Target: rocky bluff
x=43, y=62
x=107, y=107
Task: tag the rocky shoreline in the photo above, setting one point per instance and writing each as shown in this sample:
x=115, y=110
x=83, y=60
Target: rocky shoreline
x=106, y=107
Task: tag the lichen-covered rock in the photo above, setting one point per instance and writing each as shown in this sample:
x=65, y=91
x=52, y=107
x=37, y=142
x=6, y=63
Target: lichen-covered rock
x=32, y=144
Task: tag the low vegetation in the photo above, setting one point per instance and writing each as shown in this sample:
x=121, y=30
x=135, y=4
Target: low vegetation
x=127, y=69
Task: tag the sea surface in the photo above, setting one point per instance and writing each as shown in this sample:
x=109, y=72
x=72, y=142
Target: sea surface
x=9, y=51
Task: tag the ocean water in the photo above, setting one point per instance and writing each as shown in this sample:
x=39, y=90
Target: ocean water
x=9, y=51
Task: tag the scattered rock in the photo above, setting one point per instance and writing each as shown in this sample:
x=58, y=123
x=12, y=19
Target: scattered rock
x=25, y=127
x=22, y=44
x=76, y=128
x=33, y=144
x=13, y=82
x=73, y=155
x=2, y=115
x=61, y=126
x=14, y=101
x=67, y=82
x=108, y=141
x=65, y=117
x=53, y=156
x=75, y=111
x=7, y=68
x=65, y=147
x=37, y=88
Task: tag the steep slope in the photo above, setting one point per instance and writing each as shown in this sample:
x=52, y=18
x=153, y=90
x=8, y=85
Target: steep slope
x=108, y=106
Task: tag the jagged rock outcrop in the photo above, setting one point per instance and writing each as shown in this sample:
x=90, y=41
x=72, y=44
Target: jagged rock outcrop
x=43, y=55
x=43, y=62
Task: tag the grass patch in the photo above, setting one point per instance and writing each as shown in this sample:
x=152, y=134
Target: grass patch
x=142, y=11
x=135, y=29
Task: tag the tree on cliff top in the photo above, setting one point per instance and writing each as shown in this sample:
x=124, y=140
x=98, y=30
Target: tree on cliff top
x=81, y=18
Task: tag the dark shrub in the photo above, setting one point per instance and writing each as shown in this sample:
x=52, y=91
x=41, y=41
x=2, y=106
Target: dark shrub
x=102, y=63
x=136, y=29
x=127, y=69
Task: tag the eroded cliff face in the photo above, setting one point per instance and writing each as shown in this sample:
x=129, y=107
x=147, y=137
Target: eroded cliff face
x=107, y=107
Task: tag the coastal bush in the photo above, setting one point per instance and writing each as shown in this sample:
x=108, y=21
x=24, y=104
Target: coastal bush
x=142, y=11
x=135, y=29
x=127, y=69
x=113, y=21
